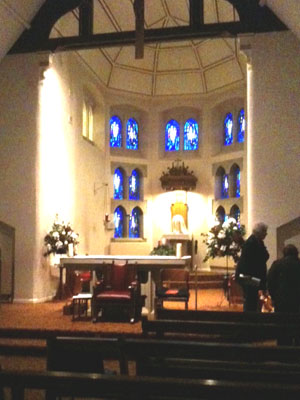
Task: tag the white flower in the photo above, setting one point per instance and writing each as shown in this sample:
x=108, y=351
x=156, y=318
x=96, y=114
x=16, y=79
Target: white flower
x=55, y=235
x=223, y=248
x=221, y=234
x=231, y=221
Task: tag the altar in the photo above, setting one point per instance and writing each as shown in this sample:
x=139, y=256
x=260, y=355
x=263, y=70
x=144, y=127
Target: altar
x=147, y=267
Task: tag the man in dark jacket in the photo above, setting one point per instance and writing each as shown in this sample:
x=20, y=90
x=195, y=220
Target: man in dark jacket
x=251, y=270
x=284, y=281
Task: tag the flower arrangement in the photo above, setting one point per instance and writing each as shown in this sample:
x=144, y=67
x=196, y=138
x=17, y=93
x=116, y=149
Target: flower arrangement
x=59, y=237
x=163, y=250
x=224, y=240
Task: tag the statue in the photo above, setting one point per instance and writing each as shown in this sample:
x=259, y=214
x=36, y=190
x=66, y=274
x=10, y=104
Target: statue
x=178, y=225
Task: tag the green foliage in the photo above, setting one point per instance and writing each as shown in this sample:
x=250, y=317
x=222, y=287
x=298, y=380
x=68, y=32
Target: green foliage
x=163, y=250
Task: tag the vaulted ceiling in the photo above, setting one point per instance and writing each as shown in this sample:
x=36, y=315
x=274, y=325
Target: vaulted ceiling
x=183, y=64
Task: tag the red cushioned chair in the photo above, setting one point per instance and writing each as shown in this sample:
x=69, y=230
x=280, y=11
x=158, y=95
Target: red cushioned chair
x=118, y=292
x=174, y=287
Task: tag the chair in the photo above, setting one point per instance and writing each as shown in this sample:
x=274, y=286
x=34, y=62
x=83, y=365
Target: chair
x=118, y=292
x=166, y=292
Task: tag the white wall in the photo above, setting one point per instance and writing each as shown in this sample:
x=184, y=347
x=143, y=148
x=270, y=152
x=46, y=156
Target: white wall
x=18, y=155
x=275, y=133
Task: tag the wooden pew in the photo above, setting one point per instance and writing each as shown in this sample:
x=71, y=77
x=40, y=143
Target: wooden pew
x=165, y=358
x=235, y=331
x=124, y=387
x=227, y=316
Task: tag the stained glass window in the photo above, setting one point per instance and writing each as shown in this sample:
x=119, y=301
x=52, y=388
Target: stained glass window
x=172, y=133
x=228, y=130
x=134, y=223
x=220, y=214
x=225, y=187
x=134, y=185
x=241, y=126
x=115, y=132
x=118, y=184
x=191, y=135
x=237, y=183
x=132, y=140
x=119, y=221
x=235, y=213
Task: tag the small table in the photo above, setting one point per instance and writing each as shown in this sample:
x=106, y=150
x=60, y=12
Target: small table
x=81, y=304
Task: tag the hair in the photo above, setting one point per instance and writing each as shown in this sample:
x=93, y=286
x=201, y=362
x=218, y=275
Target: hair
x=260, y=227
x=290, y=250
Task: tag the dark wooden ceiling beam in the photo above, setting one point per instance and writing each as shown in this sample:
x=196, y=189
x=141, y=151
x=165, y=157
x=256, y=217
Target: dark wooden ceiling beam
x=86, y=18
x=138, y=6
x=253, y=19
x=196, y=13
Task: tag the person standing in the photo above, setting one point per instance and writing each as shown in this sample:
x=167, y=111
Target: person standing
x=251, y=270
x=283, y=281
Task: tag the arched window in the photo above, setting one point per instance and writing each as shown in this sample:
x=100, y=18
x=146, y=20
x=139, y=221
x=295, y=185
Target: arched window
x=241, y=126
x=235, y=181
x=132, y=129
x=235, y=213
x=118, y=184
x=172, y=135
x=135, y=222
x=115, y=132
x=228, y=129
x=191, y=135
x=238, y=183
x=219, y=182
x=225, y=187
x=120, y=222
x=220, y=214
x=134, y=185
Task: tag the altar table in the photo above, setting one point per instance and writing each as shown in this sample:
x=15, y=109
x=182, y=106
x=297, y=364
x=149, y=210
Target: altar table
x=149, y=264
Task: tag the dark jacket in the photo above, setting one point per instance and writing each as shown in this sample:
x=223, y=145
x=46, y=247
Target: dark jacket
x=284, y=284
x=253, y=260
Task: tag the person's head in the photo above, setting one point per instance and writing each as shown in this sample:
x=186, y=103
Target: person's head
x=290, y=250
x=260, y=230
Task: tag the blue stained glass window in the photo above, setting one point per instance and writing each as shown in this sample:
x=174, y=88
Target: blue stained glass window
x=132, y=139
x=119, y=222
x=191, y=135
x=118, y=184
x=241, y=126
x=115, y=132
x=134, y=185
x=220, y=214
x=225, y=187
x=134, y=223
x=228, y=130
x=172, y=133
x=238, y=183
x=235, y=213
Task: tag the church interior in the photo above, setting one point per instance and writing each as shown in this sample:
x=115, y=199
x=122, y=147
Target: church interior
x=127, y=129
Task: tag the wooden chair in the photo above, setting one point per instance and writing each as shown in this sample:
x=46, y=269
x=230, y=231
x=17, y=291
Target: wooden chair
x=179, y=278
x=118, y=292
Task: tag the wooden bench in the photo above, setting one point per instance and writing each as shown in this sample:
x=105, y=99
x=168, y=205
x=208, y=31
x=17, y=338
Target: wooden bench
x=236, y=331
x=169, y=358
x=228, y=316
x=124, y=387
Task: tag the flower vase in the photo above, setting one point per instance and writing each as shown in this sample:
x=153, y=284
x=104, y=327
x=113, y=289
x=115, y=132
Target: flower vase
x=70, y=250
x=54, y=259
